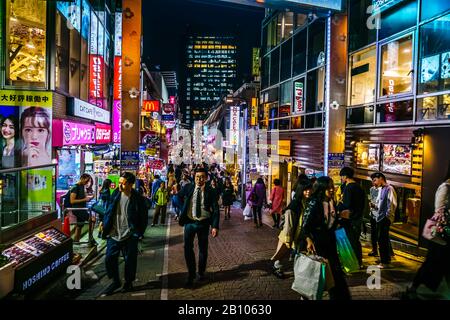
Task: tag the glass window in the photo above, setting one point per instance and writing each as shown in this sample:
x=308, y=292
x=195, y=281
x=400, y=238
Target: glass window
x=316, y=44
x=315, y=90
x=396, y=67
x=363, y=115
x=358, y=34
x=286, y=54
x=432, y=8
x=272, y=34
x=297, y=122
x=398, y=18
x=288, y=24
x=279, y=22
x=299, y=61
x=264, y=45
x=84, y=70
x=363, y=76
x=62, y=54
x=435, y=56
x=314, y=120
x=284, y=111
x=26, y=42
x=434, y=108
x=395, y=111
x=74, y=65
x=275, y=67
x=301, y=20
x=285, y=94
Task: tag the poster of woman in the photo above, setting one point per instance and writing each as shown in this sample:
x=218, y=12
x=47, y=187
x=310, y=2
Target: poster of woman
x=9, y=137
x=35, y=126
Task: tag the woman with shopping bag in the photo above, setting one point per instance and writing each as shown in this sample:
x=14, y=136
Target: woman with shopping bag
x=319, y=224
x=289, y=237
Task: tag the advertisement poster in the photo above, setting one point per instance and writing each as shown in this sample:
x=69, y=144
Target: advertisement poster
x=368, y=156
x=37, y=191
x=430, y=69
x=397, y=158
x=68, y=168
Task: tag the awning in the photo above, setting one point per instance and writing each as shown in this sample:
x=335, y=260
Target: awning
x=216, y=115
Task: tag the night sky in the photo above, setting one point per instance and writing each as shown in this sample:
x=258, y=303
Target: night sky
x=166, y=23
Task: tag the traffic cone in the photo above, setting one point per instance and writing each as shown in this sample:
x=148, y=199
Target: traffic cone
x=66, y=226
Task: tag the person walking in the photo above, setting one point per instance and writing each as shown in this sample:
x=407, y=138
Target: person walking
x=79, y=200
x=161, y=199
x=171, y=179
x=200, y=213
x=319, y=225
x=227, y=197
x=386, y=206
x=258, y=199
x=276, y=202
x=155, y=186
x=351, y=210
x=124, y=223
x=176, y=202
x=436, y=267
x=289, y=237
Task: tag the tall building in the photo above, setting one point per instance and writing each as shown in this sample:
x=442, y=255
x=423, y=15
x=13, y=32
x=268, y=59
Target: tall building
x=211, y=70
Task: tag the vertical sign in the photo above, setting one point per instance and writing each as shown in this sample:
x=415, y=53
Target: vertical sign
x=96, y=64
x=117, y=78
x=254, y=112
x=234, y=126
x=255, y=62
x=299, y=107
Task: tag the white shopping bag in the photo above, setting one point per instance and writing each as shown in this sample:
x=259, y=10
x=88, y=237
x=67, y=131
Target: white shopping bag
x=247, y=211
x=307, y=273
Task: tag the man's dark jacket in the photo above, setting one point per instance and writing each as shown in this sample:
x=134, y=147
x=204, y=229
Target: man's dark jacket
x=137, y=214
x=210, y=205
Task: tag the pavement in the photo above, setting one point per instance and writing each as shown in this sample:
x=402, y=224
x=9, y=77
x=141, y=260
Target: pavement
x=239, y=268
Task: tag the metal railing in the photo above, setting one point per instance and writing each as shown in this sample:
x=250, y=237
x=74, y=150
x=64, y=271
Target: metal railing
x=91, y=215
x=18, y=217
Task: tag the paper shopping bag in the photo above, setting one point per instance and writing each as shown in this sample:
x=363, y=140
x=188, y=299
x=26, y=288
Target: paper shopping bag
x=345, y=251
x=307, y=277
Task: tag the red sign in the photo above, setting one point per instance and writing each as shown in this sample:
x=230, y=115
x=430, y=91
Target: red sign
x=96, y=64
x=102, y=133
x=150, y=106
x=117, y=78
x=156, y=164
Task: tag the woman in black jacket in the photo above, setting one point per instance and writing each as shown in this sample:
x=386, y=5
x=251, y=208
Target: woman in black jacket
x=105, y=197
x=319, y=225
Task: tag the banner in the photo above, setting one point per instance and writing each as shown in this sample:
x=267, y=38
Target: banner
x=18, y=98
x=234, y=126
x=117, y=120
x=67, y=133
x=96, y=70
x=299, y=107
x=102, y=133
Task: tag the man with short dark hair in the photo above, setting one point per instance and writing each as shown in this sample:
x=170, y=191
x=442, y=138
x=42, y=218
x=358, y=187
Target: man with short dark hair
x=124, y=223
x=351, y=209
x=200, y=212
x=385, y=214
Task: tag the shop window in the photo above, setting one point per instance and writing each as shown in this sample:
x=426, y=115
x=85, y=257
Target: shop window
x=301, y=20
x=361, y=115
x=285, y=93
x=316, y=44
x=398, y=18
x=314, y=121
x=62, y=53
x=433, y=8
x=264, y=45
x=434, y=108
x=275, y=67
x=396, y=67
x=363, y=77
x=288, y=24
x=279, y=21
x=272, y=34
x=273, y=125
x=434, y=56
x=315, y=90
x=273, y=111
x=395, y=111
x=299, y=61
x=26, y=42
x=297, y=122
x=359, y=35
x=286, y=55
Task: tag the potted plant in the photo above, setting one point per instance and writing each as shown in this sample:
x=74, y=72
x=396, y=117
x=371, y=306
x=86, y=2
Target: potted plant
x=6, y=276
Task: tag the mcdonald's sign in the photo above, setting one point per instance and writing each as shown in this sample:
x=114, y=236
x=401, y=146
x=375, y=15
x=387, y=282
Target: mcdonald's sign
x=150, y=106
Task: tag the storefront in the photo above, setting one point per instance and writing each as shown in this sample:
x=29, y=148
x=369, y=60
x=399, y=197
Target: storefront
x=397, y=114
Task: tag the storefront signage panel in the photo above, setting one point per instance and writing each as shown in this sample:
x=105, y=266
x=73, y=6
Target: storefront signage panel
x=118, y=34
x=117, y=120
x=117, y=78
x=71, y=11
x=102, y=133
x=82, y=109
x=368, y=156
x=254, y=112
x=67, y=133
x=397, y=159
x=19, y=98
x=150, y=106
x=234, y=126
x=255, y=62
x=298, y=105
x=284, y=147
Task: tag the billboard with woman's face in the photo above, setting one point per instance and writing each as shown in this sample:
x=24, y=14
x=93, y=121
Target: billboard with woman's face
x=9, y=138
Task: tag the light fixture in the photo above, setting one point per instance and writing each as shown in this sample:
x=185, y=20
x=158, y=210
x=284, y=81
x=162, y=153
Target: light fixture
x=134, y=93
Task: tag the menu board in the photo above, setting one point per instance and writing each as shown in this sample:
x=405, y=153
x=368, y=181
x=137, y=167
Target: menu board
x=397, y=158
x=368, y=156
x=34, y=246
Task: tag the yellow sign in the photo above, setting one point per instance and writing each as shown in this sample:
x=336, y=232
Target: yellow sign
x=284, y=147
x=26, y=98
x=254, y=112
x=255, y=62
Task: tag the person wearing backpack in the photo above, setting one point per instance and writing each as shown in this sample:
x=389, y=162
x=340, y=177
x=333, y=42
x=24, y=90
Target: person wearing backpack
x=161, y=199
x=79, y=199
x=258, y=199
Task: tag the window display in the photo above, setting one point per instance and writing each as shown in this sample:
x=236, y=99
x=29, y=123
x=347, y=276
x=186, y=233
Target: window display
x=434, y=108
x=397, y=158
x=26, y=42
x=363, y=77
x=395, y=111
x=396, y=67
x=368, y=156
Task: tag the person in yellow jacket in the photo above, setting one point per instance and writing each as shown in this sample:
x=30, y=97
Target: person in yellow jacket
x=161, y=199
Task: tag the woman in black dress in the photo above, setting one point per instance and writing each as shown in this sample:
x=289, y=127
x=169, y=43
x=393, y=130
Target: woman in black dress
x=227, y=197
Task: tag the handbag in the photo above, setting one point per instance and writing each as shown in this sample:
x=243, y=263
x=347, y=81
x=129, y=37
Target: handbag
x=345, y=251
x=247, y=211
x=99, y=207
x=309, y=276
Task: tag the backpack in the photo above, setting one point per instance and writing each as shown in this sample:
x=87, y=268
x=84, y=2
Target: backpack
x=65, y=200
